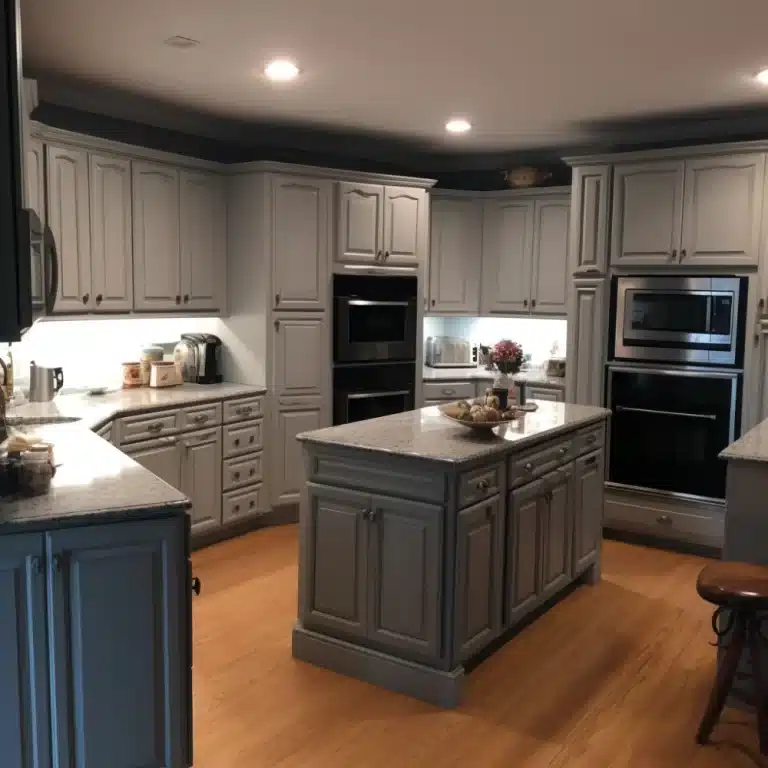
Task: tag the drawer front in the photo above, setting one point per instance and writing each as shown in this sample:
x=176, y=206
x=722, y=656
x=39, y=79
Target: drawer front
x=287, y=402
x=243, y=409
x=242, y=471
x=550, y=394
x=105, y=432
x=243, y=438
x=201, y=416
x=449, y=390
x=148, y=425
x=240, y=504
x=479, y=484
x=534, y=463
x=589, y=439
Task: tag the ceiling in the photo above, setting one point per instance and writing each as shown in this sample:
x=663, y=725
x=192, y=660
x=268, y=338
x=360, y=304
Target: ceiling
x=527, y=73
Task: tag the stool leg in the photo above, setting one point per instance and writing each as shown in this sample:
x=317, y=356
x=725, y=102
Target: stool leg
x=723, y=680
x=761, y=702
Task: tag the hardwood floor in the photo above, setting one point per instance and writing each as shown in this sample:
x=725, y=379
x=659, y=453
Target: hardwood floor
x=614, y=675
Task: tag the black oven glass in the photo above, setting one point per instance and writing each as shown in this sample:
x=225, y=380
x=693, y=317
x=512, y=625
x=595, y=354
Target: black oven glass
x=377, y=322
x=676, y=312
x=366, y=391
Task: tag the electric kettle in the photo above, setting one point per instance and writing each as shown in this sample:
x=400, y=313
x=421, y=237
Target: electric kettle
x=44, y=382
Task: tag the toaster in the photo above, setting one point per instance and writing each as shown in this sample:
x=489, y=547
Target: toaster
x=449, y=352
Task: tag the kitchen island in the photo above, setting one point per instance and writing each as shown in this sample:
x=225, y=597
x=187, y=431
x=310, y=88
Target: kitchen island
x=424, y=544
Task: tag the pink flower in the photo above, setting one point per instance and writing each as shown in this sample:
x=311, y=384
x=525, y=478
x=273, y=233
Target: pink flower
x=507, y=351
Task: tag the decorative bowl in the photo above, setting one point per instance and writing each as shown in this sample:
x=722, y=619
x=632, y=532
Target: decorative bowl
x=451, y=411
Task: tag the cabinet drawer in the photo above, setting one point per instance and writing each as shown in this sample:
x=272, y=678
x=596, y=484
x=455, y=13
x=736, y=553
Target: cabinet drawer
x=449, y=390
x=242, y=409
x=243, y=438
x=238, y=504
x=551, y=394
x=589, y=439
x=242, y=471
x=148, y=425
x=287, y=402
x=479, y=484
x=536, y=462
x=105, y=432
x=201, y=416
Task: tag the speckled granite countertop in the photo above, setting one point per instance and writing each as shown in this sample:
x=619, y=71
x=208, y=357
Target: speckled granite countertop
x=751, y=446
x=473, y=374
x=428, y=434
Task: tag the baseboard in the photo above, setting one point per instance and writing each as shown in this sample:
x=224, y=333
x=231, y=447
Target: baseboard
x=286, y=515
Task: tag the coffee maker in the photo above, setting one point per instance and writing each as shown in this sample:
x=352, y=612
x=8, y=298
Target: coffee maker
x=200, y=354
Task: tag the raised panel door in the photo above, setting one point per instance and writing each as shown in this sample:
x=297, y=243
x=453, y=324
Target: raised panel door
x=162, y=457
x=588, y=510
x=587, y=318
x=301, y=351
x=361, y=222
x=403, y=220
x=69, y=220
x=551, y=278
x=156, y=245
x=111, y=233
x=557, y=536
x=201, y=477
x=647, y=213
x=300, y=233
x=288, y=473
x=590, y=217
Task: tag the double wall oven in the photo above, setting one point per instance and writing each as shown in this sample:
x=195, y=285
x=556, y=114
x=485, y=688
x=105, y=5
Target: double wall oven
x=674, y=381
x=374, y=346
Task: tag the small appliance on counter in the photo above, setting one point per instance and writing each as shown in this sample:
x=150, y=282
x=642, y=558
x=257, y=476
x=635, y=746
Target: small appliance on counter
x=449, y=352
x=163, y=374
x=198, y=356
x=555, y=367
x=44, y=383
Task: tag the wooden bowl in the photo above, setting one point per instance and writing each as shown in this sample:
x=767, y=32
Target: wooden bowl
x=451, y=411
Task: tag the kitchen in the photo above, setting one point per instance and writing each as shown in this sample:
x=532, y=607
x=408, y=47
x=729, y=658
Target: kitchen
x=328, y=296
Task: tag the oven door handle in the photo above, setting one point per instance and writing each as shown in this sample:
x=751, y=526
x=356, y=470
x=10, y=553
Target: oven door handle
x=369, y=395
x=369, y=303
x=707, y=416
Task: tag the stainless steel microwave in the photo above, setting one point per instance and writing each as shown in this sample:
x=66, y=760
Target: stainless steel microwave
x=681, y=319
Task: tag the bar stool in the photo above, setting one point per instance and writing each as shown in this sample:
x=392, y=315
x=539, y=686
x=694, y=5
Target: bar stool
x=740, y=592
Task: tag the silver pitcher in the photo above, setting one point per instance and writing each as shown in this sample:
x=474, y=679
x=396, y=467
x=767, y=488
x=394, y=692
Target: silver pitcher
x=44, y=382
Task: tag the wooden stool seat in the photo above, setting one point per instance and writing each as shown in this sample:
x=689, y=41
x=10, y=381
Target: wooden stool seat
x=734, y=584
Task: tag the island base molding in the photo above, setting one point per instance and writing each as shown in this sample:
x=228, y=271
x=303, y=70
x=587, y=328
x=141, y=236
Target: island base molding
x=435, y=686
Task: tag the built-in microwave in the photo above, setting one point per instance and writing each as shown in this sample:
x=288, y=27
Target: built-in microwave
x=681, y=319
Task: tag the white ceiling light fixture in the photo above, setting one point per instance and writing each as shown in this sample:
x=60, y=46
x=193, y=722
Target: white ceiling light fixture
x=179, y=41
x=281, y=70
x=458, y=125
x=762, y=77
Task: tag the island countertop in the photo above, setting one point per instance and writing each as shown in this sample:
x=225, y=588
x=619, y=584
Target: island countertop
x=427, y=434
x=477, y=373
x=751, y=446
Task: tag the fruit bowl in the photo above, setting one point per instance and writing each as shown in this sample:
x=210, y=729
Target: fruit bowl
x=452, y=410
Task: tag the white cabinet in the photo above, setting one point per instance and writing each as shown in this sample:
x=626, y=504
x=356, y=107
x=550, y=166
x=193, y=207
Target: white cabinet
x=587, y=321
x=34, y=177
x=455, y=251
x=589, y=221
x=69, y=220
x=301, y=351
x=202, y=241
x=300, y=221
x=111, y=234
x=288, y=470
x=550, y=394
x=156, y=249
x=403, y=217
x=201, y=477
x=550, y=278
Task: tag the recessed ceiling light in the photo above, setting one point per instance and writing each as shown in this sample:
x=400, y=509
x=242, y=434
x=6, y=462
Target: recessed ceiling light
x=458, y=125
x=762, y=77
x=281, y=70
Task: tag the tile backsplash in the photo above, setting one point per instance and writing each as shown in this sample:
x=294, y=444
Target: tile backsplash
x=538, y=336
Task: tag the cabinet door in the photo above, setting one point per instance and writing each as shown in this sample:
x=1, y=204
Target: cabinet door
x=587, y=319
x=722, y=211
x=455, y=249
x=550, y=394
x=523, y=549
x=405, y=563
x=336, y=577
x=557, y=533
x=404, y=217
x=162, y=457
x=111, y=233
x=479, y=577
x=300, y=231
x=156, y=249
x=590, y=216
x=69, y=220
x=119, y=688
x=361, y=222
x=34, y=198
x=201, y=477
x=507, y=254
x=288, y=473
x=647, y=213
x=203, y=240
x=24, y=707
x=301, y=350
x=588, y=510
x=549, y=292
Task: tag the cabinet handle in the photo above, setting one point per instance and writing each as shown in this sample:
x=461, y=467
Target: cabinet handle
x=682, y=254
x=664, y=520
x=237, y=442
x=386, y=255
x=251, y=439
x=252, y=472
x=86, y=298
x=155, y=427
x=186, y=298
x=528, y=467
x=525, y=302
x=251, y=504
x=590, y=461
x=378, y=256
x=37, y=564
x=433, y=302
x=277, y=298
x=178, y=298
x=99, y=298
x=482, y=485
x=244, y=410
x=673, y=255
x=173, y=441
x=236, y=475
x=236, y=508
x=563, y=450
x=277, y=325
x=449, y=391
x=371, y=514
x=533, y=303
x=201, y=418
x=591, y=439
x=196, y=585
x=57, y=563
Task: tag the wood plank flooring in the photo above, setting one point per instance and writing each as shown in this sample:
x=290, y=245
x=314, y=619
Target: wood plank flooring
x=614, y=675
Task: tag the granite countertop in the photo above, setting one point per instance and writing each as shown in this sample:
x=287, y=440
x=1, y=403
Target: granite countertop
x=93, y=411
x=427, y=434
x=751, y=446
x=472, y=374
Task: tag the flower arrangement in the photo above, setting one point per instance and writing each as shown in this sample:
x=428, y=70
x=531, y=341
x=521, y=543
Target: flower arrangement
x=507, y=356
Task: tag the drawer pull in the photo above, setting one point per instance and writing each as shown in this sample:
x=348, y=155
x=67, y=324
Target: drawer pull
x=591, y=439
x=590, y=461
x=236, y=475
x=237, y=442
x=252, y=472
x=664, y=520
x=237, y=507
x=251, y=504
x=156, y=426
x=563, y=450
x=528, y=467
x=448, y=391
x=201, y=418
x=251, y=439
x=244, y=410
x=482, y=485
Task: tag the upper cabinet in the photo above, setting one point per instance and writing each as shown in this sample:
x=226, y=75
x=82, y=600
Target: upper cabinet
x=455, y=249
x=550, y=278
x=589, y=221
x=300, y=254
x=380, y=225
x=699, y=211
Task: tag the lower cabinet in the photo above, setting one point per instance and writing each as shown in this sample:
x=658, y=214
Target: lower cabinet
x=111, y=678
x=588, y=510
x=161, y=456
x=550, y=394
x=287, y=477
x=557, y=531
x=201, y=477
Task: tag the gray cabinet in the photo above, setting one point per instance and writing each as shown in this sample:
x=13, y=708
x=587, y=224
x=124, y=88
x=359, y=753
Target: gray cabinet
x=588, y=510
x=162, y=457
x=404, y=215
x=556, y=507
x=455, y=254
x=479, y=576
x=405, y=574
x=24, y=697
x=589, y=220
x=361, y=222
x=300, y=354
x=550, y=278
x=287, y=476
x=116, y=597
x=111, y=286
x=300, y=241
x=550, y=394
x=587, y=320
x=201, y=477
